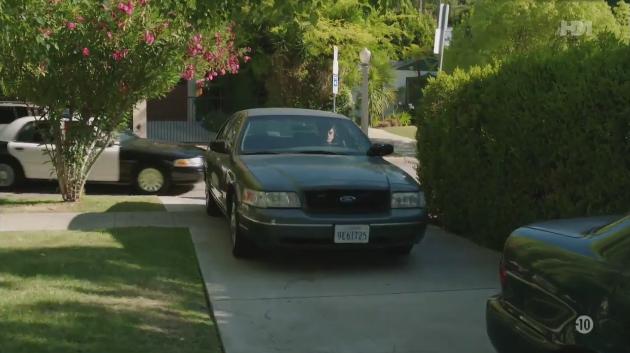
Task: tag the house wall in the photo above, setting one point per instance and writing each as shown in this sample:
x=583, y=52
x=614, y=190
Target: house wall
x=172, y=107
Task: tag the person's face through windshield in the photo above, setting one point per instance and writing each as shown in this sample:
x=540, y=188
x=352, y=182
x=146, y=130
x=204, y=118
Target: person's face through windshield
x=330, y=138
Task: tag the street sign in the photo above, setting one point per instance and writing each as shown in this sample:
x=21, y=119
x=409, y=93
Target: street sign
x=441, y=33
x=335, y=82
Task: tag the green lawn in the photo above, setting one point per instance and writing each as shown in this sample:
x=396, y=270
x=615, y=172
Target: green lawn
x=123, y=290
x=405, y=131
x=12, y=203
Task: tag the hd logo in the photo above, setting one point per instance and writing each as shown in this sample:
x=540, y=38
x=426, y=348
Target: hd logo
x=575, y=28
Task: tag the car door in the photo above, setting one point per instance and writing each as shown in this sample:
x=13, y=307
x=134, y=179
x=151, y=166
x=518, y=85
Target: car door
x=220, y=164
x=107, y=166
x=29, y=149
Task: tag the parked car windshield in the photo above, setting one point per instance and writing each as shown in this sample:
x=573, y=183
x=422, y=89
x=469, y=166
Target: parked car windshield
x=303, y=134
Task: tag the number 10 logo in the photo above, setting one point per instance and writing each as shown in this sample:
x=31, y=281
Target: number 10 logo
x=584, y=324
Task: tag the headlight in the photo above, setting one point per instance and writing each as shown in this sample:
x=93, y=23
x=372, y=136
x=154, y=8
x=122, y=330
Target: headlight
x=190, y=162
x=408, y=200
x=271, y=199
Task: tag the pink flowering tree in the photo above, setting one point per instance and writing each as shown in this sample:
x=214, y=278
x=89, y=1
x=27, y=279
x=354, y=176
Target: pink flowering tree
x=87, y=62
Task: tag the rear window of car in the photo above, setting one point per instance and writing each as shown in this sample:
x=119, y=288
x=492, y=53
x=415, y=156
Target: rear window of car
x=22, y=112
x=6, y=115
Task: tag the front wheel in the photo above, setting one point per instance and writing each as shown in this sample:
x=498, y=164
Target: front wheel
x=10, y=176
x=151, y=180
x=212, y=209
x=241, y=246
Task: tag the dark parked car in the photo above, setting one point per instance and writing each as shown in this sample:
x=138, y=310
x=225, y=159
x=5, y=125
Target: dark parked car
x=302, y=178
x=565, y=288
x=150, y=166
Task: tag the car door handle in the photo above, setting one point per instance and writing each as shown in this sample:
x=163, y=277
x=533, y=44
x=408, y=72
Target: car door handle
x=19, y=148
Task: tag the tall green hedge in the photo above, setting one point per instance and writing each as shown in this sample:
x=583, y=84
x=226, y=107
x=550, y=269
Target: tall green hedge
x=538, y=137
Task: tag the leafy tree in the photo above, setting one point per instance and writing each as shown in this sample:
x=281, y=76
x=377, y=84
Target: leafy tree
x=622, y=15
x=293, y=43
x=87, y=62
x=497, y=29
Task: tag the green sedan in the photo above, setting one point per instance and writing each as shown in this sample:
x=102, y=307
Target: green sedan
x=295, y=178
x=565, y=287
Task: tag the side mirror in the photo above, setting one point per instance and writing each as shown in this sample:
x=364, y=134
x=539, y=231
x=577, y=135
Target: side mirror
x=219, y=147
x=381, y=149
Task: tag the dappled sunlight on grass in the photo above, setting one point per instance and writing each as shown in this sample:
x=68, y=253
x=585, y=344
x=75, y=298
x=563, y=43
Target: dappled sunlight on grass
x=126, y=290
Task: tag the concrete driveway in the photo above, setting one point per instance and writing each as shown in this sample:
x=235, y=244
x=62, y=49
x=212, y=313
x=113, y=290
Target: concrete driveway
x=433, y=301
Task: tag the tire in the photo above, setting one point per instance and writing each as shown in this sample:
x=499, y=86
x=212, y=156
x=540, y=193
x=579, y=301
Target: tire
x=151, y=180
x=241, y=246
x=212, y=209
x=11, y=174
x=403, y=250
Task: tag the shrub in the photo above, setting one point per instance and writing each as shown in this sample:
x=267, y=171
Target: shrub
x=540, y=136
x=404, y=119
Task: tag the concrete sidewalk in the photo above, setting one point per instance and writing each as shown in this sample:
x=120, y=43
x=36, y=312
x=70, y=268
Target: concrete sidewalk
x=91, y=221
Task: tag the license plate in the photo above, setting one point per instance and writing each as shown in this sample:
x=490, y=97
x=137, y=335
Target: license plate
x=352, y=234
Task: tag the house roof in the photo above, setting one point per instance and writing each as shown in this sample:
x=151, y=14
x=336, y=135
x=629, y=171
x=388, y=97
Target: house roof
x=428, y=63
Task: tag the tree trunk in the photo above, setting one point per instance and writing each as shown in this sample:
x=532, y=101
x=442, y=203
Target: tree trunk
x=72, y=173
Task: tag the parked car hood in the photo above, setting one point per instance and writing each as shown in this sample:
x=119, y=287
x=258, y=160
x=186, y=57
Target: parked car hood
x=575, y=227
x=161, y=148
x=299, y=172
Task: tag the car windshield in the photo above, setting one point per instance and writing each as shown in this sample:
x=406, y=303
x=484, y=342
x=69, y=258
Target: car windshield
x=303, y=134
x=124, y=136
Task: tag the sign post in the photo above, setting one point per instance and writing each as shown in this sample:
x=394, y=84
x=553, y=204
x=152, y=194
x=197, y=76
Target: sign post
x=440, y=33
x=335, y=78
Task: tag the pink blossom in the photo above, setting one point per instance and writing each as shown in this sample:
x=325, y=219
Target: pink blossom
x=247, y=58
x=126, y=7
x=149, y=37
x=109, y=35
x=120, y=54
x=86, y=52
x=189, y=73
x=195, y=49
x=223, y=72
x=71, y=26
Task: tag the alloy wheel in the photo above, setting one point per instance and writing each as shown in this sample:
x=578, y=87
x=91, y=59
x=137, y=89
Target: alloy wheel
x=7, y=175
x=150, y=180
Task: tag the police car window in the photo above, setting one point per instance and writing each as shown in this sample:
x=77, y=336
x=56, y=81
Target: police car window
x=6, y=115
x=22, y=112
x=31, y=133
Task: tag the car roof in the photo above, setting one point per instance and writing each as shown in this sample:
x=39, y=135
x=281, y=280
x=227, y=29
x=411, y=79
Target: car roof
x=256, y=112
x=11, y=129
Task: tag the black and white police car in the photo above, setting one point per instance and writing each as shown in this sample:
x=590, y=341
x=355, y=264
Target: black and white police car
x=150, y=166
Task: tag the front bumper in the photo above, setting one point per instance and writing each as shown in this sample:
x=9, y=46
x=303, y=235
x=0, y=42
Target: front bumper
x=188, y=175
x=509, y=334
x=294, y=228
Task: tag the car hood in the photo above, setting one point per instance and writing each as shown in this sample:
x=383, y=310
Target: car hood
x=300, y=172
x=168, y=150
x=574, y=227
